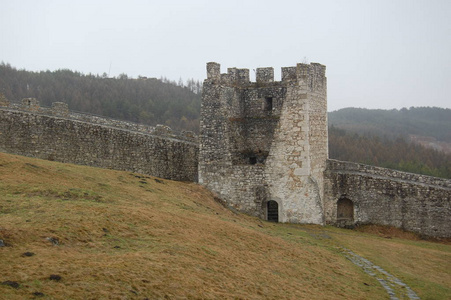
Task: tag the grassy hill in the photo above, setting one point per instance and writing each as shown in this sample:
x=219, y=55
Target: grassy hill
x=75, y=232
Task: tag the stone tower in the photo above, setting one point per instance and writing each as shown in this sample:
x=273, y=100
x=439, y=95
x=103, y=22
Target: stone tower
x=263, y=144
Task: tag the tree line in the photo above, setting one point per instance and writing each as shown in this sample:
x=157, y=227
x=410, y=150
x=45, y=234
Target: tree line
x=144, y=100
x=396, y=154
x=392, y=124
x=374, y=137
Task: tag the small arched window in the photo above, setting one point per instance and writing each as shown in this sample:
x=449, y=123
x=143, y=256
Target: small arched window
x=272, y=211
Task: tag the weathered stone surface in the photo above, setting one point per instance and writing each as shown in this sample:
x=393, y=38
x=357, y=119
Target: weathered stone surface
x=260, y=141
x=266, y=140
x=72, y=141
x=3, y=101
x=30, y=104
x=60, y=109
x=381, y=196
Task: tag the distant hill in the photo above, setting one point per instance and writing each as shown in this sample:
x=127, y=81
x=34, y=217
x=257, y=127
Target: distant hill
x=413, y=140
x=431, y=122
x=148, y=101
x=416, y=140
x=396, y=154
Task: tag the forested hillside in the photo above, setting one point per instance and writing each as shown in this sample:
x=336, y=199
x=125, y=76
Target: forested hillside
x=416, y=140
x=149, y=101
x=420, y=121
x=396, y=154
x=376, y=137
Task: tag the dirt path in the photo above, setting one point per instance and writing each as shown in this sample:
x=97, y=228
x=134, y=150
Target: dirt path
x=395, y=288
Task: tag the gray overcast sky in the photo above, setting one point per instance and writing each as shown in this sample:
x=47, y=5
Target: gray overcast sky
x=379, y=54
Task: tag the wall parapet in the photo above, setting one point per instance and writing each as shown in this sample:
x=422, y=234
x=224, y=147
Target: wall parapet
x=60, y=110
x=72, y=141
x=352, y=167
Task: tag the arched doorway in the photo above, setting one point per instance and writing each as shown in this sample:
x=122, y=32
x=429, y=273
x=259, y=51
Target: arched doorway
x=272, y=208
x=345, y=212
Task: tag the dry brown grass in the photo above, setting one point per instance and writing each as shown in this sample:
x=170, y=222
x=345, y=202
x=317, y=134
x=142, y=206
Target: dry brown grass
x=424, y=265
x=390, y=232
x=127, y=236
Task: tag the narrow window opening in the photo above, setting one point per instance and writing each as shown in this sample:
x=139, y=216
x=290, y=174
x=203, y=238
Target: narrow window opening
x=249, y=157
x=268, y=104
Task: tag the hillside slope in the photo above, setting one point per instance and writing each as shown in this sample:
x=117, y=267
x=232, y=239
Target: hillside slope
x=74, y=232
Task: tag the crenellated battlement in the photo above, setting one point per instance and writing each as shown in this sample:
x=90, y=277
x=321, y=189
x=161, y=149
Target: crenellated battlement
x=311, y=75
x=265, y=75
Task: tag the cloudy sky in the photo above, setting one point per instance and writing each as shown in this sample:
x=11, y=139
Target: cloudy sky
x=379, y=54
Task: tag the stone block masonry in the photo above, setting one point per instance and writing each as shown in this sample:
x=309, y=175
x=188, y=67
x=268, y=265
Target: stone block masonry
x=60, y=109
x=361, y=194
x=51, y=135
x=263, y=149
x=263, y=144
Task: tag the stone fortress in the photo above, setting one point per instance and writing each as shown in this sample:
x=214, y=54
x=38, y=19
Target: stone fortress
x=263, y=149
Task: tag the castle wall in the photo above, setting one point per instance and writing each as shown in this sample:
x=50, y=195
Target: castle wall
x=260, y=141
x=50, y=134
x=381, y=196
x=255, y=140
x=60, y=109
